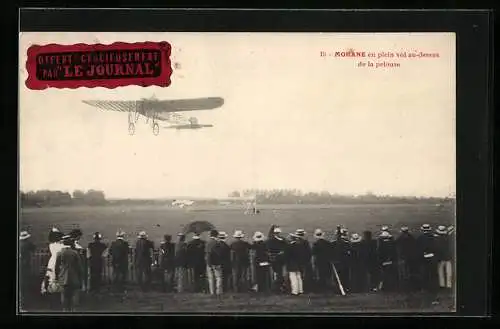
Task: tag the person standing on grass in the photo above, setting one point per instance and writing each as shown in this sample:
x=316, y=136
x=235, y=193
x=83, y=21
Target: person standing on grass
x=69, y=274
x=181, y=262
x=119, y=252
x=322, y=256
x=49, y=281
x=407, y=245
x=96, y=259
x=294, y=264
x=143, y=260
x=276, y=246
x=305, y=260
x=261, y=263
x=240, y=259
x=26, y=250
x=226, y=261
x=341, y=260
x=214, y=261
x=197, y=264
x=387, y=254
x=357, y=266
x=443, y=257
x=167, y=263
x=369, y=257
x=426, y=246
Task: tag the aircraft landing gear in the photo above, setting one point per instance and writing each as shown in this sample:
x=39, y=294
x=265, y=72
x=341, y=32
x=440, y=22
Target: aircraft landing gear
x=131, y=129
x=156, y=129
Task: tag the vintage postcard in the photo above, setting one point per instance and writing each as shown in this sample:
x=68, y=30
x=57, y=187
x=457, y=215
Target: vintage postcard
x=237, y=172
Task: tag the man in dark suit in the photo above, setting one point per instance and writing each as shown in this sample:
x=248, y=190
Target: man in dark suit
x=69, y=274
x=226, y=261
x=181, y=263
x=26, y=249
x=276, y=246
x=427, y=258
x=143, y=260
x=196, y=262
x=167, y=264
x=214, y=263
x=407, y=256
x=369, y=257
x=240, y=259
x=322, y=251
x=305, y=260
x=95, y=251
x=119, y=252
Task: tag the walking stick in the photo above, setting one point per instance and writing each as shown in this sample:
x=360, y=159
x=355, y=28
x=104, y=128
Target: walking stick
x=338, y=280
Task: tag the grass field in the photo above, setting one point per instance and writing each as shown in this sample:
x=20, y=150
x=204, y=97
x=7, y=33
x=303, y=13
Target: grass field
x=107, y=220
x=139, y=302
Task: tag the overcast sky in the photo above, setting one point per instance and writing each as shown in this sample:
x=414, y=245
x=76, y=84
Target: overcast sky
x=291, y=119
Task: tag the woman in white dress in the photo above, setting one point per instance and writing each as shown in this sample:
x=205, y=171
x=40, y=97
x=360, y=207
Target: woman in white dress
x=55, y=245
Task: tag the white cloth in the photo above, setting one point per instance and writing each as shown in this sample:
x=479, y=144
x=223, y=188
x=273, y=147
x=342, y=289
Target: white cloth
x=54, y=248
x=444, y=273
x=296, y=283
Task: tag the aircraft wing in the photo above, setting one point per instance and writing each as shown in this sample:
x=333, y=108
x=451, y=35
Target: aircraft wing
x=118, y=106
x=195, y=104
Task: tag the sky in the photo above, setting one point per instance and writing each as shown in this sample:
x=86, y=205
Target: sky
x=291, y=119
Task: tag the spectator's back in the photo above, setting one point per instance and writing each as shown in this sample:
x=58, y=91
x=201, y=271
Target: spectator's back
x=119, y=251
x=240, y=250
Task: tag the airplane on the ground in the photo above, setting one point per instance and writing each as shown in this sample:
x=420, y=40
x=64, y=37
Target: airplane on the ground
x=160, y=110
x=182, y=203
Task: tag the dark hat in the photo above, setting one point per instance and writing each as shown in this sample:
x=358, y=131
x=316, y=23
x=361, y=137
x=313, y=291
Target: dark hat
x=75, y=233
x=167, y=237
x=67, y=240
x=214, y=233
x=97, y=236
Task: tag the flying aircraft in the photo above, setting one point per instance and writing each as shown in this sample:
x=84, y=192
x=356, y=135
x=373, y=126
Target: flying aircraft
x=160, y=110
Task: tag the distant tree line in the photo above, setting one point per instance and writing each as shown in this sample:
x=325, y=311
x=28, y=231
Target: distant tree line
x=48, y=198
x=295, y=196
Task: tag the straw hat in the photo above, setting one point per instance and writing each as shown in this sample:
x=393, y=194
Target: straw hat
x=24, y=235
x=222, y=235
x=404, y=228
x=441, y=230
x=238, y=234
x=142, y=235
x=258, y=236
x=385, y=234
x=97, y=236
x=196, y=237
x=355, y=237
x=120, y=234
x=425, y=227
x=300, y=232
x=277, y=230
x=318, y=233
x=385, y=228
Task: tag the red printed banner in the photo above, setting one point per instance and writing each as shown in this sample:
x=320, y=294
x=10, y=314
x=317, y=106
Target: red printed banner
x=109, y=66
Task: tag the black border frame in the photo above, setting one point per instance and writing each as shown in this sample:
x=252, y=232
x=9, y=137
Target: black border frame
x=474, y=127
